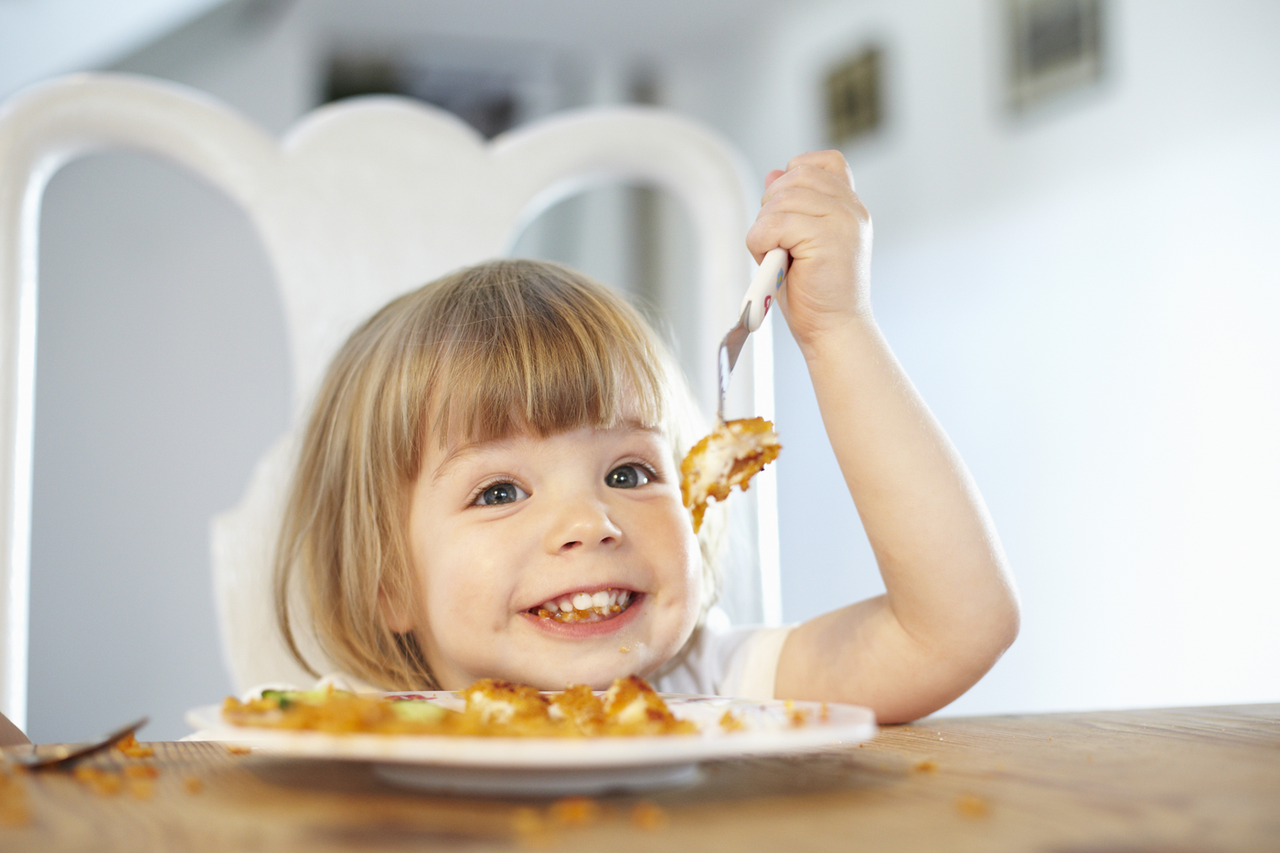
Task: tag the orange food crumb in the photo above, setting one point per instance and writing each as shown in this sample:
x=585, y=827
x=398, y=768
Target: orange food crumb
x=797, y=717
x=129, y=746
x=730, y=722
x=971, y=806
x=236, y=749
x=648, y=816
x=102, y=782
x=574, y=811
x=531, y=829
x=141, y=771
x=193, y=784
x=926, y=766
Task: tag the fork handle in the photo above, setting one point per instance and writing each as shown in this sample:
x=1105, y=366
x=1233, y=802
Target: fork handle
x=764, y=286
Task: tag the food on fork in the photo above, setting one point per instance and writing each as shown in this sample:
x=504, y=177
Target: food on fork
x=493, y=709
x=731, y=455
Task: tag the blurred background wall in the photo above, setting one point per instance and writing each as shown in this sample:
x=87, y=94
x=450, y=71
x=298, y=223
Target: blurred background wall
x=1071, y=200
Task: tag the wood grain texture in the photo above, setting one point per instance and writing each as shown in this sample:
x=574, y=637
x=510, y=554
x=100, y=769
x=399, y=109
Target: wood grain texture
x=1158, y=780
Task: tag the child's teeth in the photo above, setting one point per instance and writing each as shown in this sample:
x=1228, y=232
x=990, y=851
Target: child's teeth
x=585, y=606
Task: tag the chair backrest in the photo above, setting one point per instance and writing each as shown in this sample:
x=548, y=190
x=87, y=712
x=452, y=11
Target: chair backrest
x=361, y=201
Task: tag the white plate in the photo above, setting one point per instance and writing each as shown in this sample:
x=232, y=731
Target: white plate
x=564, y=765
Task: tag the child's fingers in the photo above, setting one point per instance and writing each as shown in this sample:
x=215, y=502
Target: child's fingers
x=835, y=182
x=802, y=212
x=812, y=197
x=787, y=217
x=801, y=232
x=831, y=162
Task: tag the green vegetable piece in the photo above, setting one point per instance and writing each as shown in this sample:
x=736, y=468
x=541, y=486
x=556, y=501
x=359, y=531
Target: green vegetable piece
x=415, y=710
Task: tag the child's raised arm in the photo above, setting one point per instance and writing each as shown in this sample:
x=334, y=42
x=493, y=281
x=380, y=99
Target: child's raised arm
x=950, y=608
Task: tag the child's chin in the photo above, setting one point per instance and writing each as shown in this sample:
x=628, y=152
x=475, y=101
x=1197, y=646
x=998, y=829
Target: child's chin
x=597, y=676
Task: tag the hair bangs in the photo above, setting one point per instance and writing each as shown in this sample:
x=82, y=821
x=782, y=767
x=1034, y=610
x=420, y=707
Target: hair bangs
x=541, y=361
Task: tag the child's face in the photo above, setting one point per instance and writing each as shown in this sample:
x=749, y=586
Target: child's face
x=497, y=530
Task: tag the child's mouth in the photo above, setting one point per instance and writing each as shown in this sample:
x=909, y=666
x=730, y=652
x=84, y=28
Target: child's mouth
x=584, y=606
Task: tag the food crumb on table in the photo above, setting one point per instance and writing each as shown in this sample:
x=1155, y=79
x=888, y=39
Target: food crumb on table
x=574, y=811
x=648, y=816
x=129, y=746
x=104, y=783
x=972, y=806
x=540, y=828
x=141, y=771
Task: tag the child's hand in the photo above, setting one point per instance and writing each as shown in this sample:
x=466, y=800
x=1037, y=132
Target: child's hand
x=812, y=211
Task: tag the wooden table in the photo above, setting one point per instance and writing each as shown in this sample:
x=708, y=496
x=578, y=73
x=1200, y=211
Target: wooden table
x=1196, y=779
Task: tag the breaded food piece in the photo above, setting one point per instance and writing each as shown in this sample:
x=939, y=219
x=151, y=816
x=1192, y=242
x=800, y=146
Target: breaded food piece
x=581, y=707
x=729, y=456
x=493, y=709
x=504, y=703
x=631, y=707
x=509, y=710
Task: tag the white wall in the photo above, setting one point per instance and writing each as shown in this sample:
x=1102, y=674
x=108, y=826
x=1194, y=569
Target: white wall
x=41, y=38
x=1088, y=299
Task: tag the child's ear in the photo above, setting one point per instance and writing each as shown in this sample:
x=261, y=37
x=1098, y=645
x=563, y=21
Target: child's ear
x=395, y=612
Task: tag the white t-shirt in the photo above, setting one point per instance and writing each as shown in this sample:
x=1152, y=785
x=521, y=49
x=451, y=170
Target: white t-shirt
x=725, y=661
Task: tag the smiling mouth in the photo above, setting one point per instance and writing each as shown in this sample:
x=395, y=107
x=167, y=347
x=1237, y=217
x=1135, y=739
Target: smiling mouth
x=585, y=606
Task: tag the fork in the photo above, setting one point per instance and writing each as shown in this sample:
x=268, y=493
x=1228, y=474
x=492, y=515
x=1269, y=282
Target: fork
x=66, y=755
x=755, y=304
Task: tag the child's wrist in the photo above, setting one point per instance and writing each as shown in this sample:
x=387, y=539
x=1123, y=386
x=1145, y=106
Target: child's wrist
x=836, y=341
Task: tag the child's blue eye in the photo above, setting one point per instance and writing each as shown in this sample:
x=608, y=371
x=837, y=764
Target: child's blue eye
x=501, y=493
x=627, y=477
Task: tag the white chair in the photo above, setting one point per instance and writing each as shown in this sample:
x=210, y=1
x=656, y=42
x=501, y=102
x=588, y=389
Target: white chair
x=361, y=201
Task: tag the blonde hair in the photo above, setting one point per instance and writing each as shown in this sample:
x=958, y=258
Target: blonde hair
x=505, y=347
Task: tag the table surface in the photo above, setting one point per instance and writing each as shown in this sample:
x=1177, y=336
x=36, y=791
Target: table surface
x=1185, y=779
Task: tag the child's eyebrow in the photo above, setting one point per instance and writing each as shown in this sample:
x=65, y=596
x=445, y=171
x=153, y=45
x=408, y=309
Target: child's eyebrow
x=457, y=455
x=459, y=452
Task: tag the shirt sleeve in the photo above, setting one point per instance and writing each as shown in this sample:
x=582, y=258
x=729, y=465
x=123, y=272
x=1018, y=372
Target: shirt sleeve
x=728, y=661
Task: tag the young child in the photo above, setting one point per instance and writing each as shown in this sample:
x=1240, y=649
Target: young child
x=489, y=487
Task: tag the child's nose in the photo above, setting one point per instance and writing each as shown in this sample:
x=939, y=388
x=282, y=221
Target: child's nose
x=582, y=524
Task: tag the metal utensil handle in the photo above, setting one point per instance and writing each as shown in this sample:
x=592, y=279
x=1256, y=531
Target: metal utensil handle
x=766, y=282
x=34, y=761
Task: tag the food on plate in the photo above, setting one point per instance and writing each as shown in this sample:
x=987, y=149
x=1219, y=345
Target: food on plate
x=493, y=709
x=729, y=456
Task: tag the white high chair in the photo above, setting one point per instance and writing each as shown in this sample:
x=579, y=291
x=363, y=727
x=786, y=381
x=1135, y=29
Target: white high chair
x=361, y=201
